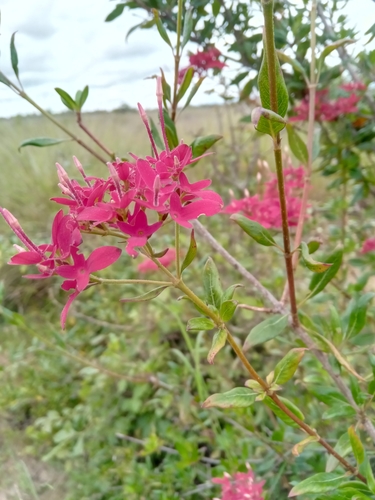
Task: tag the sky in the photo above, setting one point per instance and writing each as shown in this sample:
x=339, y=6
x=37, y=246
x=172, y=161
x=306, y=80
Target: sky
x=67, y=44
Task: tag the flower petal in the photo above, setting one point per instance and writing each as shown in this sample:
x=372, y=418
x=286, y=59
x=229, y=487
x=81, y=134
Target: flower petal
x=102, y=257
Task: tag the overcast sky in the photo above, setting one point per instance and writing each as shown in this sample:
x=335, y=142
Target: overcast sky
x=65, y=43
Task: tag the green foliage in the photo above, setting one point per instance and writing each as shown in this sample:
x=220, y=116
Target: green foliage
x=267, y=330
x=254, y=230
x=240, y=397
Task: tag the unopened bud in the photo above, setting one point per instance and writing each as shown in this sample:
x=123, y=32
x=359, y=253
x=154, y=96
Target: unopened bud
x=10, y=219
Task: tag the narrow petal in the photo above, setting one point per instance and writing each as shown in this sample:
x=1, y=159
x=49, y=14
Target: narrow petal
x=25, y=258
x=66, y=271
x=64, y=312
x=102, y=257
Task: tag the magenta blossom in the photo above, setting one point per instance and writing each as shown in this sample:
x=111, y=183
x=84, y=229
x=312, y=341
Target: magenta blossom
x=240, y=486
x=265, y=209
x=78, y=274
x=368, y=245
x=167, y=259
x=328, y=110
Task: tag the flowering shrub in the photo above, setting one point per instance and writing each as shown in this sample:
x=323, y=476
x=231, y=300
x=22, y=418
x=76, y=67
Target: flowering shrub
x=116, y=205
x=240, y=486
x=330, y=110
x=265, y=208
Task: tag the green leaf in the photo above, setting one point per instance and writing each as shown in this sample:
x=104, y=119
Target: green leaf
x=330, y=48
x=193, y=91
x=156, y=135
x=166, y=88
x=267, y=330
x=369, y=475
x=343, y=448
x=218, y=342
x=188, y=27
x=162, y=31
x=117, y=11
x=191, y=253
x=313, y=265
x=185, y=84
x=201, y=144
x=212, y=284
x=4, y=79
x=339, y=411
x=170, y=129
x=320, y=281
x=255, y=230
x=283, y=416
x=198, y=324
x=146, y=296
x=357, y=446
x=355, y=317
x=313, y=246
x=293, y=62
x=240, y=397
x=286, y=368
x=67, y=100
x=318, y=483
x=229, y=292
x=266, y=126
x=14, y=56
x=41, y=142
x=83, y=97
x=227, y=309
x=297, y=145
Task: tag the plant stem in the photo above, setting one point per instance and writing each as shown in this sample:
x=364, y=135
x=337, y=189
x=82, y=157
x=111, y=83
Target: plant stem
x=312, y=84
x=177, y=58
x=269, y=43
x=288, y=256
x=271, y=63
x=177, y=247
x=92, y=136
x=96, y=279
x=254, y=375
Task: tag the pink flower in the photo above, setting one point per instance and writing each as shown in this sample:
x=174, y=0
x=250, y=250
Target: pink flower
x=368, y=245
x=241, y=486
x=326, y=110
x=138, y=230
x=78, y=274
x=166, y=260
x=183, y=214
x=204, y=60
x=266, y=209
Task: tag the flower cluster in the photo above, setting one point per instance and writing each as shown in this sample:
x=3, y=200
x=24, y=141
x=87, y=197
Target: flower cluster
x=326, y=110
x=368, y=245
x=241, y=486
x=266, y=209
x=121, y=205
x=202, y=61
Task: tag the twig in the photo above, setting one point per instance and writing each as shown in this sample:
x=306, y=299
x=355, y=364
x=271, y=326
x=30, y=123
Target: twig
x=166, y=449
x=257, y=309
x=343, y=54
x=92, y=137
